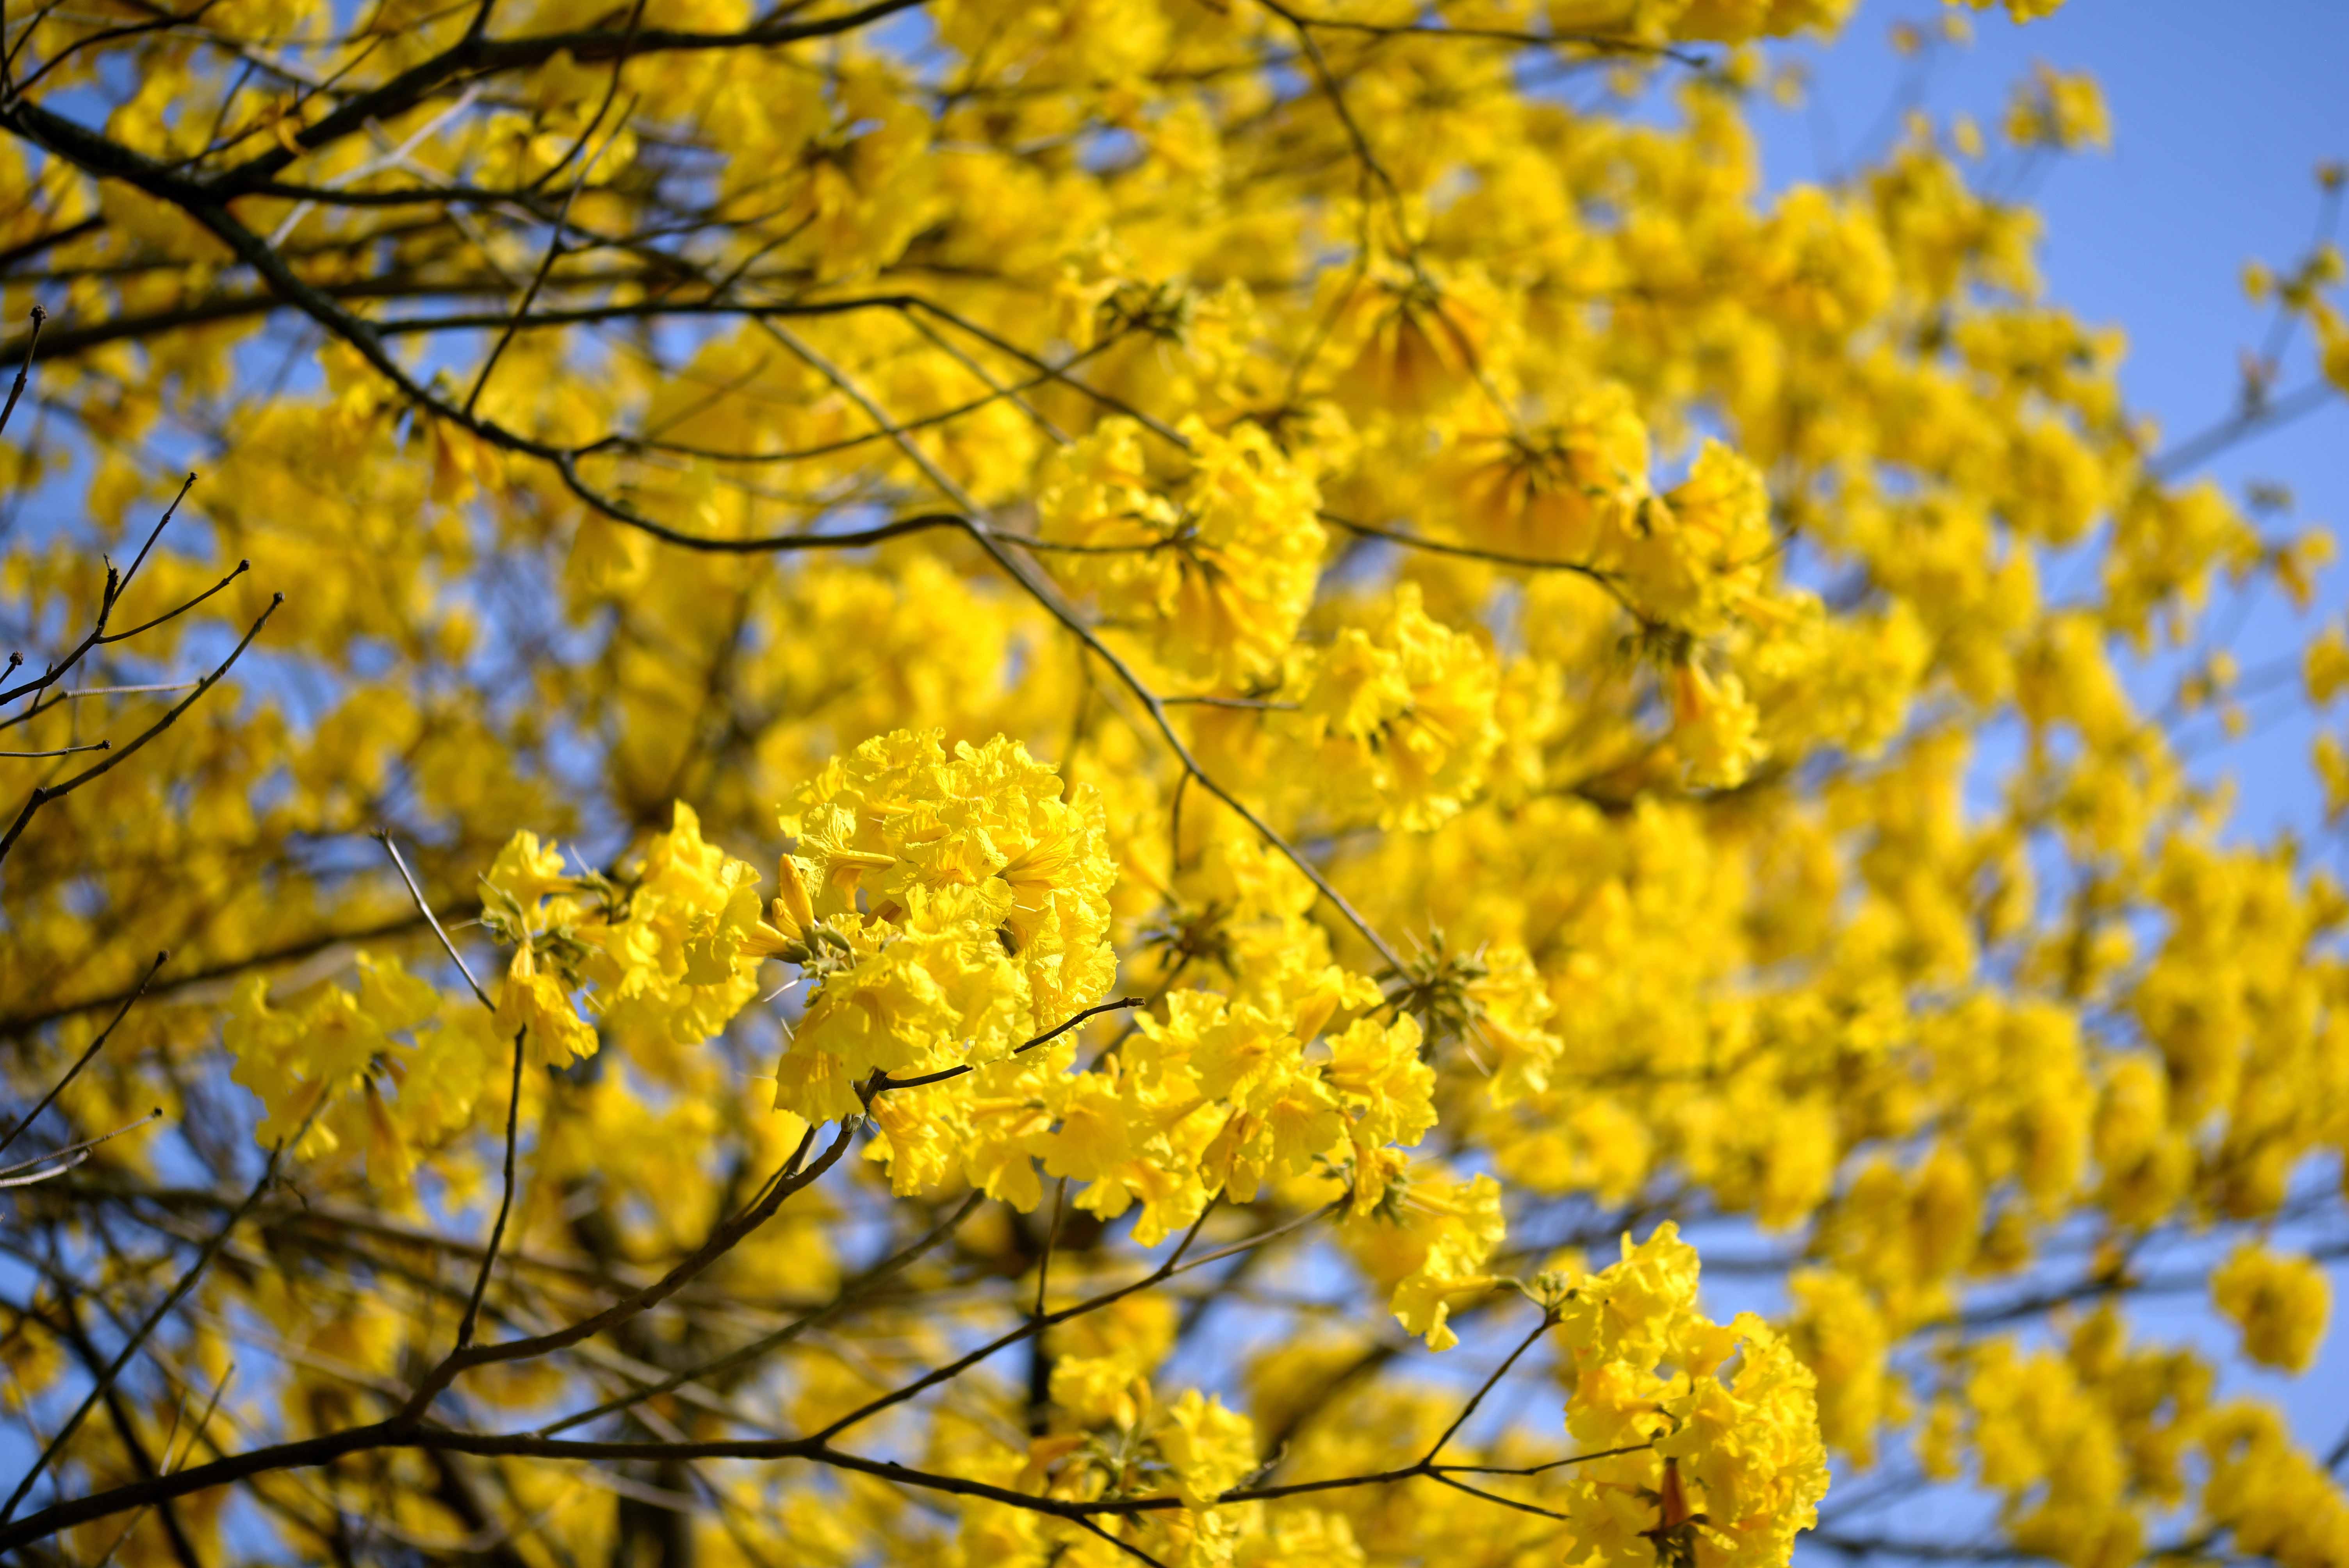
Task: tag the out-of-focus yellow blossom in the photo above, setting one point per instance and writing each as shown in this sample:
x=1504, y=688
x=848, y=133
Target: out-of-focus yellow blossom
x=361, y=1068
x=2057, y=110
x=1397, y=719
x=1840, y=1335
x=2280, y=1301
x=1219, y=567
x=1207, y=1447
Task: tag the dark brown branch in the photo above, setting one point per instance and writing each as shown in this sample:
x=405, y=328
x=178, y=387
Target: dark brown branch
x=538, y=281
x=1471, y=553
x=48, y=792
x=28, y=250
x=1490, y=1383
x=83, y=1061
x=1057, y=1030
x=721, y=1241
x=472, y=1317
x=138, y=1336
x=849, y=1294
x=126, y=1428
x=242, y=568
x=1600, y=43
x=1172, y=1266
x=1128, y=1547
x=117, y=584
x=324, y=1449
x=475, y=56
x=1497, y=1496
x=23, y=371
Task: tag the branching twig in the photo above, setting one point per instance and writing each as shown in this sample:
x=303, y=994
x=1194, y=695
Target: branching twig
x=72, y=1154
x=849, y=1294
x=186, y=1283
x=48, y=792
x=84, y=1059
x=383, y=836
x=24, y=370
x=466, y=1325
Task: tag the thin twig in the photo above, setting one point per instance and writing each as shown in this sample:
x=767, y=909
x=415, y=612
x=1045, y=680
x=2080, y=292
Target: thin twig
x=784, y=1336
x=122, y=690
x=383, y=836
x=1172, y=1266
x=195, y=1436
x=78, y=1152
x=547, y=263
x=329, y=1447
x=91, y=1050
x=186, y=1283
x=790, y=1179
x=23, y=371
x=1128, y=1547
x=1055, y=1032
x=60, y=751
x=173, y=614
x=48, y=792
x=117, y=584
x=1497, y=1496
x=1489, y=1384
x=472, y=1317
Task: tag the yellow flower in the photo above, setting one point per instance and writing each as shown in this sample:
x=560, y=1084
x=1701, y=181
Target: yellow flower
x=1398, y=719
x=2280, y=1301
x=529, y=999
x=1208, y=1448
x=1218, y=566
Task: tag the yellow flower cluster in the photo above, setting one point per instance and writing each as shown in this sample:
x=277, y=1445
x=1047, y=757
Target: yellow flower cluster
x=2083, y=1441
x=389, y=1068
x=949, y=907
x=2281, y=1303
x=1396, y=723
x=1217, y=567
x=662, y=958
x=1725, y=1413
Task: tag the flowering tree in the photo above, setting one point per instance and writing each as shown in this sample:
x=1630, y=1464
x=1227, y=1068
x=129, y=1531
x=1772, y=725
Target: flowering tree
x=1007, y=785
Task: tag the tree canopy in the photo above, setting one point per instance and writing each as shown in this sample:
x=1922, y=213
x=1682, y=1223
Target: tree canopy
x=1001, y=785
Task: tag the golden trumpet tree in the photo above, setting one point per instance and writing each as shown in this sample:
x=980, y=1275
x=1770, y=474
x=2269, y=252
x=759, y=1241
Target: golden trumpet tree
x=952, y=783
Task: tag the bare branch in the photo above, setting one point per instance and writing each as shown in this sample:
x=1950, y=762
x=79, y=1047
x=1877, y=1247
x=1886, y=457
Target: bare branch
x=849, y=1294
x=383, y=836
x=1486, y=1388
x=472, y=1317
x=72, y=1154
x=60, y=751
x=23, y=371
x=48, y=792
x=186, y=1283
x=84, y=1059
